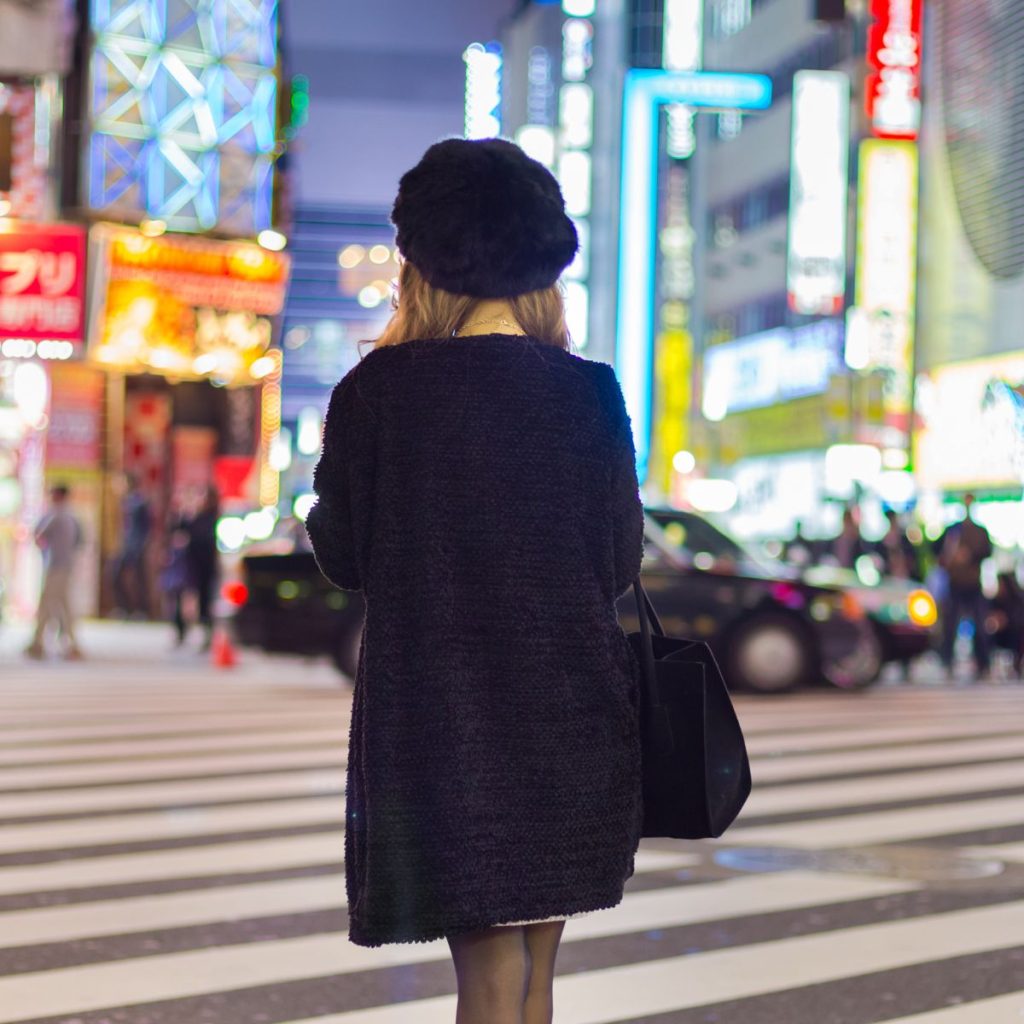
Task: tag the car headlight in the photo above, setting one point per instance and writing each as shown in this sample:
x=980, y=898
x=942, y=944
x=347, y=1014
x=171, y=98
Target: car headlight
x=921, y=608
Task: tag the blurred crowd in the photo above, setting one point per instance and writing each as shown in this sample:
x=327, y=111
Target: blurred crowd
x=978, y=592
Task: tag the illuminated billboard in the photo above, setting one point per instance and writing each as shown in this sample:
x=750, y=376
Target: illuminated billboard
x=816, y=264
x=972, y=425
x=892, y=91
x=181, y=113
x=645, y=92
x=886, y=282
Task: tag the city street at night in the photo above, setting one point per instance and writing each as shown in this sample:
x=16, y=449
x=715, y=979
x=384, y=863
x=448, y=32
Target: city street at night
x=172, y=854
x=511, y=512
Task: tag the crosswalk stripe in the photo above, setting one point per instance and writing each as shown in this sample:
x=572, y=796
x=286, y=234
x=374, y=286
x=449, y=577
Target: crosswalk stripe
x=252, y=855
x=192, y=821
x=828, y=740
x=773, y=770
x=222, y=859
x=83, y=802
x=998, y=1010
x=80, y=989
x=884, y=826
x=660, y=986
x=659, y=908
x=187, y=745
x=15, y=779
x=851, y=792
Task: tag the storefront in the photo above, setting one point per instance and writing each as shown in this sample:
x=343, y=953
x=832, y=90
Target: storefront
x=50, y=404
x=184, y=329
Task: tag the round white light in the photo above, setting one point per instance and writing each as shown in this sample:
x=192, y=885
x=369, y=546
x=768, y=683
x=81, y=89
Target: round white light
x=231, y=533
x=351, y=256
x=370, y=297
x=684, y=462
x=380, y=254
x=302, y=506
x=579, y=8
x=272, y=240
x=260, y=525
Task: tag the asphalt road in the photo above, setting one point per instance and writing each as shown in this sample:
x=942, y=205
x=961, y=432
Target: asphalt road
x=171, y=844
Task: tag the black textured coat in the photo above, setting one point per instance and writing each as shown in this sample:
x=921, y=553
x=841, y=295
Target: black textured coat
x=482, y=492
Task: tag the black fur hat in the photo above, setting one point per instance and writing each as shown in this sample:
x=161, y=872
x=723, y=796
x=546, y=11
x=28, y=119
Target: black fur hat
x=479, y=217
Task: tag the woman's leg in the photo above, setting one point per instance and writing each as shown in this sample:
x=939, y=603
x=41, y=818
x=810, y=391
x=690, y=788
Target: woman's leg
x=542, y=944
x=492, y=967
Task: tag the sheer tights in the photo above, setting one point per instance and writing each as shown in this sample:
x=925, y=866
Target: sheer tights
x=505, y=974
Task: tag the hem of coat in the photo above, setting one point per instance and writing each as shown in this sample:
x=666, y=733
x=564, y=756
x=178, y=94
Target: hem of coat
x=359, y=937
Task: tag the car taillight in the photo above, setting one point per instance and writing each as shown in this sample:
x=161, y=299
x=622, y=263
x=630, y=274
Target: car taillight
x=921, y=608
x=235, y=592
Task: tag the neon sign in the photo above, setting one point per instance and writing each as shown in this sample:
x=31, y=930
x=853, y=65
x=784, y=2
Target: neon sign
x=816, y=267
x=645, y=92
x=893, y=90
x=182, y=112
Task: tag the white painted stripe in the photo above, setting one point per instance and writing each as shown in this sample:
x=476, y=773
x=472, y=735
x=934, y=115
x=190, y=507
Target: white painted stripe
x=70, y=727
x=170, y=910
x=158, y=865
x=83, y=802
x=178, y=975
x=157, y=746
x=884, y=826
x=173, y=824
x=13, y=779
x=680, y=982
x=908, y=786
x=1007, y=1009
x=768, y=769
x=826, y=740
x=295, y=896
x=222, y=859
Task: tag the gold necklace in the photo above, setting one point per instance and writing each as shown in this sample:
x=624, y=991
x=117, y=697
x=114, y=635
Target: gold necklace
x=500, y=321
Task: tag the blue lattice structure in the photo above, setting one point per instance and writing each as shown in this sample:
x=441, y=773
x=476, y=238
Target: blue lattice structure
x=182, y=112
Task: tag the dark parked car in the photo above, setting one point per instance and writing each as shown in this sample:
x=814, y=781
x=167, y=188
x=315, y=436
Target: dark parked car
x=771, y=629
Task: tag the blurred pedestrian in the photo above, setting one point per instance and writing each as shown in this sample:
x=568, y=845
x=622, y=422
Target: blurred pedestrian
x=174, y=574
x=1006, y=622
x=197, y=536
x=59, y=536
x=962, y=549
x=845, y=549
x=478, y=483
x=897, y=552
x=131, y=582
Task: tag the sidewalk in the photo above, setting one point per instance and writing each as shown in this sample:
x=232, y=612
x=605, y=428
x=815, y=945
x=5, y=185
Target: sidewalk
x=145, y=651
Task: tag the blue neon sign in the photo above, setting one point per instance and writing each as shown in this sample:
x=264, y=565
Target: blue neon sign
x=645, y=91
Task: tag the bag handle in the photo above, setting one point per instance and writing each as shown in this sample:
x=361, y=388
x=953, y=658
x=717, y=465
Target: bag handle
x=648, y=617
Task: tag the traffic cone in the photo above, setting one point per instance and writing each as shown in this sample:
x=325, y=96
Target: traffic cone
x=222, y=652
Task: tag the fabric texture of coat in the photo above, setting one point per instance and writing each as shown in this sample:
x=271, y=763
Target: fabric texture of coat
x=482, y=492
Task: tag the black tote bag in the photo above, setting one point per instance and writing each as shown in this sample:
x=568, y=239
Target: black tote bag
x=696, y=774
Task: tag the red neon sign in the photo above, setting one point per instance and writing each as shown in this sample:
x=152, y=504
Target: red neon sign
x=42, y=281
x=893, y=89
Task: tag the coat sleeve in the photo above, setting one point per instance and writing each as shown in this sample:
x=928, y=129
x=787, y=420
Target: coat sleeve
x=343, y=483
x=626, y=505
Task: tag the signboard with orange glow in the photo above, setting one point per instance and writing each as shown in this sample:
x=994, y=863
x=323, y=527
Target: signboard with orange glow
x=184, y=307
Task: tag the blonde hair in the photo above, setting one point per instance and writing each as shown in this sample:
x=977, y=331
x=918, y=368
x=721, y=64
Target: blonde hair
x=423, y=311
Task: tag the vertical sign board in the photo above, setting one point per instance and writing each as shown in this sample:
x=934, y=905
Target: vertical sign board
x=645, y=91
x=886, y=283
x=892, y=92
x=816, y=264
